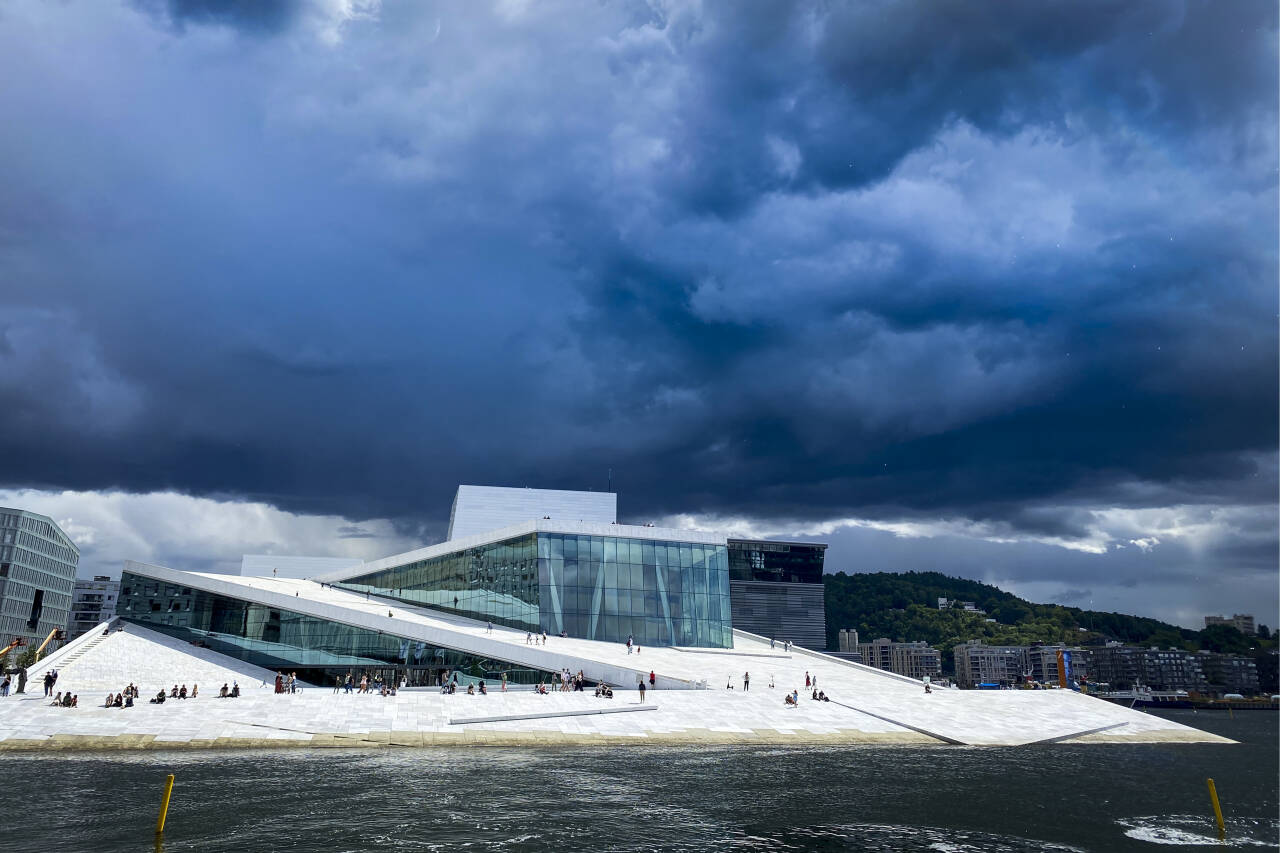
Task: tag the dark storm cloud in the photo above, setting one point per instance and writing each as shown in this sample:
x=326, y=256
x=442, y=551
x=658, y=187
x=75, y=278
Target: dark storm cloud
x=1004, y=263
x=250, y=16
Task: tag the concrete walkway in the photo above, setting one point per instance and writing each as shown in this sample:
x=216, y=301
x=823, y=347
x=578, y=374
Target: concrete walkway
x=869, y=708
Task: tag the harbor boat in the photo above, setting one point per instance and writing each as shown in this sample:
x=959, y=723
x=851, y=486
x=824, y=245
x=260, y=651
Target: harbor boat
x=1144, y=697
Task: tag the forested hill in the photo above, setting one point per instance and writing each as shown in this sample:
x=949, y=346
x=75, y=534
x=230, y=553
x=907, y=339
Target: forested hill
x=904, y=606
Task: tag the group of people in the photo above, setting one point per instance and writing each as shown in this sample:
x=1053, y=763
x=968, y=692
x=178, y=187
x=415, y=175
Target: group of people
x=123, y=699
x=792, y=699
x=233, y=693
x=50, y=679
x=631, y=642
x=287, y=683
x=786, y=644
x=348, y=684
x=65, y=700
x=532, y=639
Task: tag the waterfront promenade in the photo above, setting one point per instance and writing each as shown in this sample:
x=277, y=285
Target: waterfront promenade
x=868, y=706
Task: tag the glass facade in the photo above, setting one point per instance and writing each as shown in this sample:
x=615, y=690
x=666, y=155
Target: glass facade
x=775, y=562
x=37, y=575
x=317, y=649
x=497, y=582
x=607, y=588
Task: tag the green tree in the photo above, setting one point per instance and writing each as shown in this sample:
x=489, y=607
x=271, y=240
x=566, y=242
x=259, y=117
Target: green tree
x=1224, y=638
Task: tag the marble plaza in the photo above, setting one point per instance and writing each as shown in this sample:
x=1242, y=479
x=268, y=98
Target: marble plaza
x=697, y=706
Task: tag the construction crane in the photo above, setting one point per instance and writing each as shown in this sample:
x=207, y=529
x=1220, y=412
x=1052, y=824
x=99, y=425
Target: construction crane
x=17, y=641
x=55, y=634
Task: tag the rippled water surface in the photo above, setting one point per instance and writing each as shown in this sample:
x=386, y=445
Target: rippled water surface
x=1092, y=798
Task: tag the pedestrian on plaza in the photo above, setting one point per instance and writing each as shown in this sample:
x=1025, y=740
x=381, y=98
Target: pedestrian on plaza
x=807, y=685
x=641, y=686
x=653, y=679
x=746, y=681
x=279, y=683
x=630, y=638
x=488, y=627
x=504, y=682
x=48, y=684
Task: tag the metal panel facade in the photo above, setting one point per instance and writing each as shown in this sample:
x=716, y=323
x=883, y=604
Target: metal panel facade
x=479, y=509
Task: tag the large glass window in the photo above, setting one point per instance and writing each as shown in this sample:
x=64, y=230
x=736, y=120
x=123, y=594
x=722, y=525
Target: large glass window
x=317, y=649
x=597, y=587
x=649, y=591
x=497, y=583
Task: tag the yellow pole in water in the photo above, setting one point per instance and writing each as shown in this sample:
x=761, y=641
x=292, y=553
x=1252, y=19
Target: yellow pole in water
x=1217, y=810
x=168, y=789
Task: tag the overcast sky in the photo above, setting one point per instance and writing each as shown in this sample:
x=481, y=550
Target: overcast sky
x=986, y=288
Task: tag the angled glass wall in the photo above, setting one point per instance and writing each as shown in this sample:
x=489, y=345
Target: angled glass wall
x=317, y=649
x=497, y=582
x=609, y=588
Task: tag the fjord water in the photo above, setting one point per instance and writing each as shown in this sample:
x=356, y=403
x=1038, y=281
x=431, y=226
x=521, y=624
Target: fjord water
x=1064, y=797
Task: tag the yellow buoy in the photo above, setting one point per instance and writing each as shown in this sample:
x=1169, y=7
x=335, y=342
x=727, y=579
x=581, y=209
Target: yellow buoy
x=168, y=790
x=1217, y=810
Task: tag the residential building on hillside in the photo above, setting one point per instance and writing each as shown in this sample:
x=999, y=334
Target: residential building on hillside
x=977, y=663
x=966, y=606
x=92, y=603
x=1115, y=665
x=1126, y=667
x=914, y=660
x=1043, y=661
x=1229, y=673
x=37, y=575
x=1242, y=622
x=1172, y=669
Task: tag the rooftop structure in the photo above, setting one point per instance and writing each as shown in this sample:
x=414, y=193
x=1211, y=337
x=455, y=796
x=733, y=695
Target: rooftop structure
x=776, y=590
x=479, y=509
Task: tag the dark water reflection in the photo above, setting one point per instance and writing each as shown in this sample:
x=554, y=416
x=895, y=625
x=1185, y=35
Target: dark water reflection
x=1113, y=797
